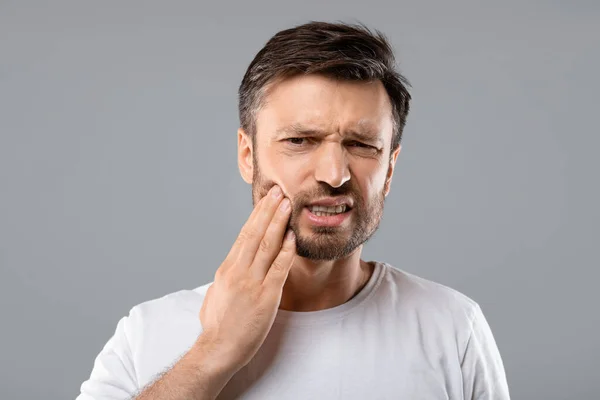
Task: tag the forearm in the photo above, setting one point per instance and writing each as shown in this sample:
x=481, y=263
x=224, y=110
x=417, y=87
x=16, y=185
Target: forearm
x=197, y=375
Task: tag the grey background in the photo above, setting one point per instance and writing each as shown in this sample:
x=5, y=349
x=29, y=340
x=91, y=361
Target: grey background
x=119, y=181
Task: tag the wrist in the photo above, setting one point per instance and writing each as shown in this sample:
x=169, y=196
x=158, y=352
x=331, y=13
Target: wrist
x=212, y=357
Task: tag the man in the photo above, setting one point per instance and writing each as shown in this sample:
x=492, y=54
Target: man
x=299, y=315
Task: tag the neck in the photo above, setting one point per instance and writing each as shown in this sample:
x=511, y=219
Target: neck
x=319, y=285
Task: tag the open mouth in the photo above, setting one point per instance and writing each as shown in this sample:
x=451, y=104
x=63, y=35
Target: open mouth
x=323, y=211
x=328, y=216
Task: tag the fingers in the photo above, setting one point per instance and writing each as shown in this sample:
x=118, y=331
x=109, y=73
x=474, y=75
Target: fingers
x=280, y=268
x=239, y=241
x=271, y=242
x=251, y=234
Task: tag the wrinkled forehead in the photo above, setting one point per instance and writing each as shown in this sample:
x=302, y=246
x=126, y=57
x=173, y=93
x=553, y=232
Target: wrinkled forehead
x=321, y=104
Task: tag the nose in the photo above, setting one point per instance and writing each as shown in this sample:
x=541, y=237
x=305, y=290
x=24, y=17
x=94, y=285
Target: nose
x=331, y=165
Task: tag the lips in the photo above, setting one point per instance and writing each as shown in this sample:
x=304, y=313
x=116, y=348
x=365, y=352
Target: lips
x=333, y=202
x=327, y=220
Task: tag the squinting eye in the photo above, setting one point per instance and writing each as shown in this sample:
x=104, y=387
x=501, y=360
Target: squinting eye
x=295, y=141
x=358, y=144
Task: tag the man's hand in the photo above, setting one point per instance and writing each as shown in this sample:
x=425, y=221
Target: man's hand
x=241, y=304
x=239, y=307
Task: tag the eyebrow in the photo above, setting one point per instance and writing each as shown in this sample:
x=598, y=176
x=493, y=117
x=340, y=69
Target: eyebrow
x=365, y=134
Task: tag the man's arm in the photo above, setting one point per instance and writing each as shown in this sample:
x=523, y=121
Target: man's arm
x=483, y=372
x=199, y=375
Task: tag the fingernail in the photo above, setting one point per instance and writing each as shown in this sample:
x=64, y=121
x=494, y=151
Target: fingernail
x=289, y=235
x=285, y=204
x=276, y=191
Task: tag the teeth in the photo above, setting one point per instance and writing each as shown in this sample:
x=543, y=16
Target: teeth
x=322, y=210
x=323, y=214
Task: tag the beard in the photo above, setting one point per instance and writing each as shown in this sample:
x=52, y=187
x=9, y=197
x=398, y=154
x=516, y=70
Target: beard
x=327, y=243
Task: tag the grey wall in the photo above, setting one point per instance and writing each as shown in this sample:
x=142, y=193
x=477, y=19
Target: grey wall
x=119, y=184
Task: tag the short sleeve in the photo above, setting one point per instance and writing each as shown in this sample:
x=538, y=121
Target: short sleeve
x=483, y=372
x=113, y=374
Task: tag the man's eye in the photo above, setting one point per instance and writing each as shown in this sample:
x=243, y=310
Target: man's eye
x=296, y=141
x=359, y=144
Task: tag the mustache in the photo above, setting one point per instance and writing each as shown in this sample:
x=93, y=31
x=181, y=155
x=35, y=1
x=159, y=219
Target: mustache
x=324, y=190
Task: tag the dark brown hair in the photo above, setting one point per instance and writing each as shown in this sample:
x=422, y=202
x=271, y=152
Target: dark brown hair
x=338, y=50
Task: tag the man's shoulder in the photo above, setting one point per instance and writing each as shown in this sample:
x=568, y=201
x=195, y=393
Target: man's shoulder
x=425, y=294
x=171, y=305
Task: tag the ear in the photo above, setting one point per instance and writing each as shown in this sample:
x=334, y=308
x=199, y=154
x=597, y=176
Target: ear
x=388, y=179
x=245, y=156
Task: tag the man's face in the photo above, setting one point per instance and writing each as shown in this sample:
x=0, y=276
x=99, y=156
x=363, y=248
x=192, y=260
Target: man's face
x=321, y=138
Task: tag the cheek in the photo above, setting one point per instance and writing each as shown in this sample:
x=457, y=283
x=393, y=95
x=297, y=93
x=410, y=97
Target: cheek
x=373, y=188
x=288, y=173
x=290, y=183
x=381, y=177
x=370, y=174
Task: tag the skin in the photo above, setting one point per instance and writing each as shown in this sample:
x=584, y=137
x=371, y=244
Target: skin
x=328, y=162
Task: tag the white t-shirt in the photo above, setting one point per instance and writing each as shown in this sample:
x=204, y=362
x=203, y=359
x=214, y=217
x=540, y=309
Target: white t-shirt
x=400, y=337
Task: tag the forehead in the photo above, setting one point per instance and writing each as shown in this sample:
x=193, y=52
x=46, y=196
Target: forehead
x=327, y=104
